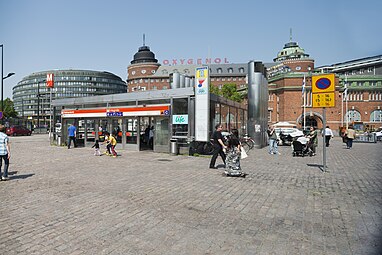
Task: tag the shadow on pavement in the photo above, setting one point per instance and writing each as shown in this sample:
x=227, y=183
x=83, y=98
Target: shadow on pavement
x=22, y=176
x=321, y=167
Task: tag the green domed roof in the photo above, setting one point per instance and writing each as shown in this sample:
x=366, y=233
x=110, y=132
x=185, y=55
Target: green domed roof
x=291, y=50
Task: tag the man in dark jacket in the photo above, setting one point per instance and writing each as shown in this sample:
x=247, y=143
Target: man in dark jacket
x=218, y=146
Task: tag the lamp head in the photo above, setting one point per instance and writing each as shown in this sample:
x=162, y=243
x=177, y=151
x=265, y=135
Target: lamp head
x=9, y=75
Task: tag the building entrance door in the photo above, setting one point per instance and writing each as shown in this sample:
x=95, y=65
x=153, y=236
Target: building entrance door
x=146, y=142
x=161, y=134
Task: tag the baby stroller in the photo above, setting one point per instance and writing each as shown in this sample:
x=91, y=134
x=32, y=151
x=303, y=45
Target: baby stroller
x=302, y=150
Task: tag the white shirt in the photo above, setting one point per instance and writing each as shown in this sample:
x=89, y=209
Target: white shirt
x=328, y=132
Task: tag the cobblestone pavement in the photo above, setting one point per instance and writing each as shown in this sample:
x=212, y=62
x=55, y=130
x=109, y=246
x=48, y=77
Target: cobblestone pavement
x=61, y=201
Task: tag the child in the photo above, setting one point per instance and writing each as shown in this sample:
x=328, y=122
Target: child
x=96, y=149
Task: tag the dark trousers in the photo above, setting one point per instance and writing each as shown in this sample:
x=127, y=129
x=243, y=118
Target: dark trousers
x=70, y=139
x=327, y=139
x=218, y=150
x=349, y=143
x=6, y=164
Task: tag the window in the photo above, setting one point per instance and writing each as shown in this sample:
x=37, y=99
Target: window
x=376, y=116
x=230, y=70
x=353, y=115
x=219, y=70
x=241, y=70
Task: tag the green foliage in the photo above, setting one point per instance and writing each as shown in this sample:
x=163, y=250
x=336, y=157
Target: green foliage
x=215, y=90
x=9, y=110
x=228, y=91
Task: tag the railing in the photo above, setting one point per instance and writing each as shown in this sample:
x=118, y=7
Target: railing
x=365, y=138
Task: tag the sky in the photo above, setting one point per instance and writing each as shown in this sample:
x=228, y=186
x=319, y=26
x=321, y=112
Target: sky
x=40, y=35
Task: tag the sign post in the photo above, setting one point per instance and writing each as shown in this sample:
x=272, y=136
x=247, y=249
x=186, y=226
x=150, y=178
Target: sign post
x=323, y=87
x=50, y=85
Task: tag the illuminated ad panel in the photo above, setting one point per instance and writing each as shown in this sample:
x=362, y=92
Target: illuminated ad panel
x=202, y=104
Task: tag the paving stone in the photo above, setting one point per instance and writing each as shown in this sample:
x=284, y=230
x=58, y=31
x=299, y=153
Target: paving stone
x=61, y=201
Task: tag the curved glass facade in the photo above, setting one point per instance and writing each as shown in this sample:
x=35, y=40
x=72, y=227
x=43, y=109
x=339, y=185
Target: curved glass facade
x=31, y=96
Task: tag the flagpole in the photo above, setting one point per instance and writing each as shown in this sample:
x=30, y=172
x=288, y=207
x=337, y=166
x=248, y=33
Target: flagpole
x=346, y=103
x=304, y=95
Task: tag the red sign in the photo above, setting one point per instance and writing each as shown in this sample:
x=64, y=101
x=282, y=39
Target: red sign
x=49, y=80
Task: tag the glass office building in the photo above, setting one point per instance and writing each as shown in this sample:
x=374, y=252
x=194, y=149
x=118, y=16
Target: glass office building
x=32, y=97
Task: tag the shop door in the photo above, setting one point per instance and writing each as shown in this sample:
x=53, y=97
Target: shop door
x=161, y=134
x=145, y=125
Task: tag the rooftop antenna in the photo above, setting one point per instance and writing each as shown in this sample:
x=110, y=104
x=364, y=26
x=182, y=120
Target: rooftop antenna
x=290, y=35
x=143, y=39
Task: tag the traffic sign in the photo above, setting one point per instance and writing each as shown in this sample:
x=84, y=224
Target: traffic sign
x=323, y=83
x=323, y=100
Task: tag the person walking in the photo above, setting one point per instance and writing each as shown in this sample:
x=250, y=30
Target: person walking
x=111, y=142
x=350, y=135
x=328, y=133
x=151, y=138
x=218, y=146
x=5, y=153
x=72, y=135
x=313, y=139
x=272, y=141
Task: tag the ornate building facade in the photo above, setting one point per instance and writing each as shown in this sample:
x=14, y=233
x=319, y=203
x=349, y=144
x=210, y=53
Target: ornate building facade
x=361, y=103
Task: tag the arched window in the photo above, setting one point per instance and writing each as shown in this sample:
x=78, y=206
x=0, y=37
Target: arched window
x=376, y=116
x=230, y=70
x=219, y=70
x=353, y=115
x=241, y=70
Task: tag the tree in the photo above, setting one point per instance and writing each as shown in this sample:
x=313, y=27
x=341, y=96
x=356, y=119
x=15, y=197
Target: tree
x=230, y=91
x=215, y=90
x=9, y=110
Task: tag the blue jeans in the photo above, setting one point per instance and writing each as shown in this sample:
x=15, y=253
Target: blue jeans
x=273, y=146
x=349, y=143
x=6, y=164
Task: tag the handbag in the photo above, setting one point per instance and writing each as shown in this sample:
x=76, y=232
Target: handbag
x=243, y=153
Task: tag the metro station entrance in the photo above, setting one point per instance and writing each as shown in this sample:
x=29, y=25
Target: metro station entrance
x=154, y=133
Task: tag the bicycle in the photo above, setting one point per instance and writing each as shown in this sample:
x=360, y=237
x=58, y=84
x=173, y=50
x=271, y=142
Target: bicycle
x=247, y=143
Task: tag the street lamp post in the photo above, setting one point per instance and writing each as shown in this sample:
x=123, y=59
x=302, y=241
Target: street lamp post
x=38, y=104
x=3, y=78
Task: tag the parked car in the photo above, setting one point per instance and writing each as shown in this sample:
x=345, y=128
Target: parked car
x=17, y=130
x=378, y=134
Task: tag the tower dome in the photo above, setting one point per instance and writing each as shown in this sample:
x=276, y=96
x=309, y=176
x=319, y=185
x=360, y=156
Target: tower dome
x=144, y=55
x=291, y=50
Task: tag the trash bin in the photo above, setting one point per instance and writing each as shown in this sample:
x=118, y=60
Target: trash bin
x=174, y=146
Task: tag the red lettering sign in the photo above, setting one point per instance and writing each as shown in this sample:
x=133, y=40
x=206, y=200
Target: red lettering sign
x=198, y=61
x=49, y=80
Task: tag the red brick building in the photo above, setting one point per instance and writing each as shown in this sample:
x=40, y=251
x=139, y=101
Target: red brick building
x=363, y=78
